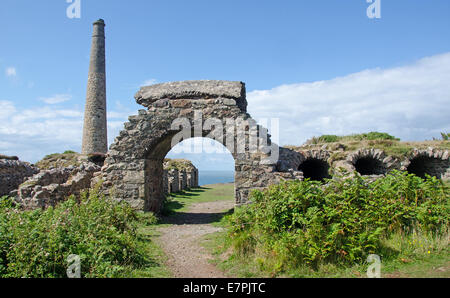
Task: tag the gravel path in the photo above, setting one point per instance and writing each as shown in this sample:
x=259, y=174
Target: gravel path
x=181, y=240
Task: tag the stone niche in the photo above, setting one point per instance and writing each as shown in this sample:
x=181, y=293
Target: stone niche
x=372, y=162
x=431, y=162
x=315, y=165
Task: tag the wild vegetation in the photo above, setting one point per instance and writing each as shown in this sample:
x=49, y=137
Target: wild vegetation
x=445, y=136
x=103, y=232
x=301, y=226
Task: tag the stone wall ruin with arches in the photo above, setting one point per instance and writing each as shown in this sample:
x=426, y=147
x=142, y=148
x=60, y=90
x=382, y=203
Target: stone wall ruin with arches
x=176, y=111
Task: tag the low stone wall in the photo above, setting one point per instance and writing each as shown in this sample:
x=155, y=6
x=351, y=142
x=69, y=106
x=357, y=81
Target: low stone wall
x=13, y=173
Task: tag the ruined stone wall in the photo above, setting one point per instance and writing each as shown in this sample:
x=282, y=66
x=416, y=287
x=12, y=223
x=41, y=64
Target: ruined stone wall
x=49, y=187
x=175, y=180
x=13, y=173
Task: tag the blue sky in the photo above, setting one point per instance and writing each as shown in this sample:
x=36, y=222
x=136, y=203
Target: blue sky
x=322, y=66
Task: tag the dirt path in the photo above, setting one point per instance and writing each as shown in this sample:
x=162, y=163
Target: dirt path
x=181, y=240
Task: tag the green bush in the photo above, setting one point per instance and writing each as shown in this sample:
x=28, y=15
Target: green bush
x=306, y=222
x=69, y=152
x=37, y=243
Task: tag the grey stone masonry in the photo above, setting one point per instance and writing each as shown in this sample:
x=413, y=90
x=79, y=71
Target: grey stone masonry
x=135, y=161
x=13, y=173
x=49, y=187
x=166, y=181
x=183, y=180
x=94, y=129
x=173, y=181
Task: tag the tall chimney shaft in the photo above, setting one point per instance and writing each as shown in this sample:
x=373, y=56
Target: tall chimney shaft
x=95, y=139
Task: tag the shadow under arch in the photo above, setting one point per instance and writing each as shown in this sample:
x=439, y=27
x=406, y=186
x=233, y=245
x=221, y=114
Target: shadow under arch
x=425, y=165
x=368, y=165
x=315, y=169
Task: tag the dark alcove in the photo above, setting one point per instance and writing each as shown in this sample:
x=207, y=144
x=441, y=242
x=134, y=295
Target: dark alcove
x=315, y=169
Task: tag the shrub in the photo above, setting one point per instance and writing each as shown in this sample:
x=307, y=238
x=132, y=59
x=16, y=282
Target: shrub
x=69, y=152
x=305, y=222
x=328, y=139
x=376, y=136
x=37, y=243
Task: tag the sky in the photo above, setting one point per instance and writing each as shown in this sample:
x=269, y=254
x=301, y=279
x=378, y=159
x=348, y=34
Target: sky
x=320, y=66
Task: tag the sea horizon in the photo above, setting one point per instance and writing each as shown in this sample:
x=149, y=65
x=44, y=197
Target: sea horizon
x=215, y=177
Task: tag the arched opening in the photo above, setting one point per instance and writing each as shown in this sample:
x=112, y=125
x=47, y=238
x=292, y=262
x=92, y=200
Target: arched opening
x=369, y=166
x=422, y=165
x=214, y=161
x=166, y=173
x=315, y=169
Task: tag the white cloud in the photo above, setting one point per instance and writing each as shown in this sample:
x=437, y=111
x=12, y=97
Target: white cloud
x=11, y=72
x=149, y=82
x=199, y=146
x=411, y=102
x=35, y=132
x=55, y=99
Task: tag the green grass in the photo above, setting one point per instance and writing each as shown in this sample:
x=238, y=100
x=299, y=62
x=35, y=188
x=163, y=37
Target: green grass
x=413, y=262
x=154, y=266
x=180, y=202
x=354, y=137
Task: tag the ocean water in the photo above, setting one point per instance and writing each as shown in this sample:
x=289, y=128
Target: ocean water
x=214, y=177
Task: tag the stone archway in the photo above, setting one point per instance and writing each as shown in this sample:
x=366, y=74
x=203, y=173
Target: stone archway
x=177, y=111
